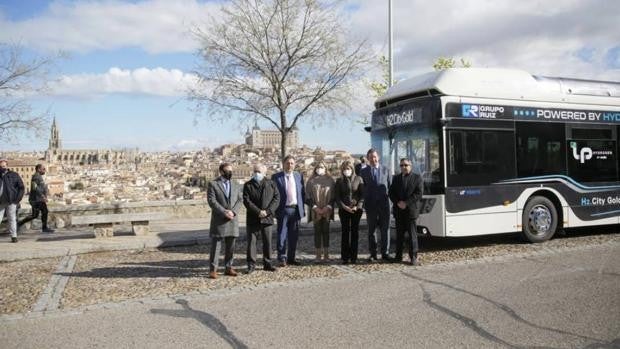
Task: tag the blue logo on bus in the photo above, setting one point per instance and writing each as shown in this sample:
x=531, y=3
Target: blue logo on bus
x=470, y=111
x=525, y=112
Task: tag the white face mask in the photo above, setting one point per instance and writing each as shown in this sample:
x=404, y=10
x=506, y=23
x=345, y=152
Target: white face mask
x=347, y=173
x=320, y=171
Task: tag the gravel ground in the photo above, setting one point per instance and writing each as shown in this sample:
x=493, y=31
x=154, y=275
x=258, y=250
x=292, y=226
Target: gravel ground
x=21, y=283
x=116, y=276
x=121, y=275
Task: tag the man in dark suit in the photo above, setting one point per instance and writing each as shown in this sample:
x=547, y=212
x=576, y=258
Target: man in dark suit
x=406, y=194
x=290, y=211
x=261, y=199
x=377, y=180
x=225, y=197
x=360, y=165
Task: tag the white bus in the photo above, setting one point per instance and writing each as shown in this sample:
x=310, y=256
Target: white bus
x=503, y=151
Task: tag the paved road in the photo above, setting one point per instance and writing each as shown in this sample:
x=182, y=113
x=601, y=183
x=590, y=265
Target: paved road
x=567, y=299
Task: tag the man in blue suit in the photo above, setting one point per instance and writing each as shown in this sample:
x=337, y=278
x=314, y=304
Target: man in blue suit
x=290, y=185
x=377, y=181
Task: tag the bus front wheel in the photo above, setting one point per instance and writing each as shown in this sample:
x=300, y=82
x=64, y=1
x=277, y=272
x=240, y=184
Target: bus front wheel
x=540, y=219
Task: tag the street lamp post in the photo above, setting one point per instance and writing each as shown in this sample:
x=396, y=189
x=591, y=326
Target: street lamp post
x=390, y=56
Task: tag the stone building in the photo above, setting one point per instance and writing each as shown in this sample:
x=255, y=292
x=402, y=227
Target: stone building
x=55, y=153
x=257, y=138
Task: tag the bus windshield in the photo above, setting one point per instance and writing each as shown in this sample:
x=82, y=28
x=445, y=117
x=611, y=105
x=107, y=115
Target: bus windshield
x=416, y=138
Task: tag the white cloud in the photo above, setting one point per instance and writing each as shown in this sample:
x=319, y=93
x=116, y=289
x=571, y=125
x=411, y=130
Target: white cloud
x=156, y=26
x=158, y=82
x=542, y=37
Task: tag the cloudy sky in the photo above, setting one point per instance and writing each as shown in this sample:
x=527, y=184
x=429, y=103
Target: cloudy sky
x=128, y=62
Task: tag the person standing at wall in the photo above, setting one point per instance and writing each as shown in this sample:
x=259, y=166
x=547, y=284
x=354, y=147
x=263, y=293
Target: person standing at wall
x=320, y=195
x=350, y=201
x=290, y=185
x=225, y=198
x=261, y=199
x=377, y=180
x=406, y=194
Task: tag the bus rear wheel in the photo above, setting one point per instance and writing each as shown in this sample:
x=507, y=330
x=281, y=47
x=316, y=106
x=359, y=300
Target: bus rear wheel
x=540, y=219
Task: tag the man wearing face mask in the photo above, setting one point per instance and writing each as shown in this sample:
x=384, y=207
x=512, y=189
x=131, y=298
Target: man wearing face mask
x=225, y=197
x=261, y=199
x=11, y=193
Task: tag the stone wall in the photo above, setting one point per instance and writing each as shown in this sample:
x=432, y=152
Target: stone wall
x=60, y=216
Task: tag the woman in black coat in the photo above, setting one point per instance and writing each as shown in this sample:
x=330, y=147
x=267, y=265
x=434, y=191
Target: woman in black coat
x=350, y=201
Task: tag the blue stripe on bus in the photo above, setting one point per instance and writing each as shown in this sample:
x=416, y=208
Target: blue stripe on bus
x=604, y=213
x=572, y=181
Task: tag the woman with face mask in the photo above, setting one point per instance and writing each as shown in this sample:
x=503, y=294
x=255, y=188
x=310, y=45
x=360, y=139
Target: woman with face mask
x=320, y=197
x=350, y=201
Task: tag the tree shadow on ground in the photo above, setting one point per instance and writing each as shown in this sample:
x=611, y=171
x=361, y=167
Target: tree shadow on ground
x=208, y=320
x=475, y=326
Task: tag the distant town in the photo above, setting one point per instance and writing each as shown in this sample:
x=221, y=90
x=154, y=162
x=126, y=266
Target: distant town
x=90, y=176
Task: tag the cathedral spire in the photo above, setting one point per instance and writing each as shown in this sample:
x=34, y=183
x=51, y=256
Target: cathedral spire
x=55, y=143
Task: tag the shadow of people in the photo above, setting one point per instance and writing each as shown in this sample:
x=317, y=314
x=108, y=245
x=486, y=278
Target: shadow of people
x=204, y=318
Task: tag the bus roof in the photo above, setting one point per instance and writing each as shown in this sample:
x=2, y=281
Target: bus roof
x=498, y=83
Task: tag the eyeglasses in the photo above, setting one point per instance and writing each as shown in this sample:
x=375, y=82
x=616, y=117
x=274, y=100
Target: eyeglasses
x=404, y=165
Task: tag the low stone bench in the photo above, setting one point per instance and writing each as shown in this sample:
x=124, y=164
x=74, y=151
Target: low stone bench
x=104, y=223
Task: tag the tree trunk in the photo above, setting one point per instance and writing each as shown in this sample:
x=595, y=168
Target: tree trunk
x=283, y=139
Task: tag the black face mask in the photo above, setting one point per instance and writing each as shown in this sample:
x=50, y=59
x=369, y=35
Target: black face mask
x=227, y=174
x=3, y=170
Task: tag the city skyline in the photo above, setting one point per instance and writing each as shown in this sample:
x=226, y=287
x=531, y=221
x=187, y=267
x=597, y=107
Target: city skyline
x=129, y=61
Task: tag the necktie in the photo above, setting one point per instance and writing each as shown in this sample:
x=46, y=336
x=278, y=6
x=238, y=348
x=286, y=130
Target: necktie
x=227, y=189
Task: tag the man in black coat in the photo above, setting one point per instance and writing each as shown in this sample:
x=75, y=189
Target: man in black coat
x=405, y=194
x=261, y=199
x=11, y=193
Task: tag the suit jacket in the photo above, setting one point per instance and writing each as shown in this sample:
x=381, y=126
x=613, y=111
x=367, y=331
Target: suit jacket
x=278, y=178
x=221, y=226
x=259, y=196
x=376, y=190
x=409, y=189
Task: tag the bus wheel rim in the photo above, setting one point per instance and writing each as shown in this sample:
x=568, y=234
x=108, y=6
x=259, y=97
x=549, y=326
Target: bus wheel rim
x=540, y=219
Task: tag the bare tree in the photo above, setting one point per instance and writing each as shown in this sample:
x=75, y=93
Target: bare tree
x=278, y=60
x=20, y=78
x=443, y=63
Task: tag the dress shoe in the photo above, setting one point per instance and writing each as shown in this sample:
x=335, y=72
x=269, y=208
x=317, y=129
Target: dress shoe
x=212, y=275
x=386, y=258
x=294, y=262
x=251, y=269
x=48, y=231
x=414, y=262
x=13, y=239
x=269, y=267
x=230, y=272
x=345, y=262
